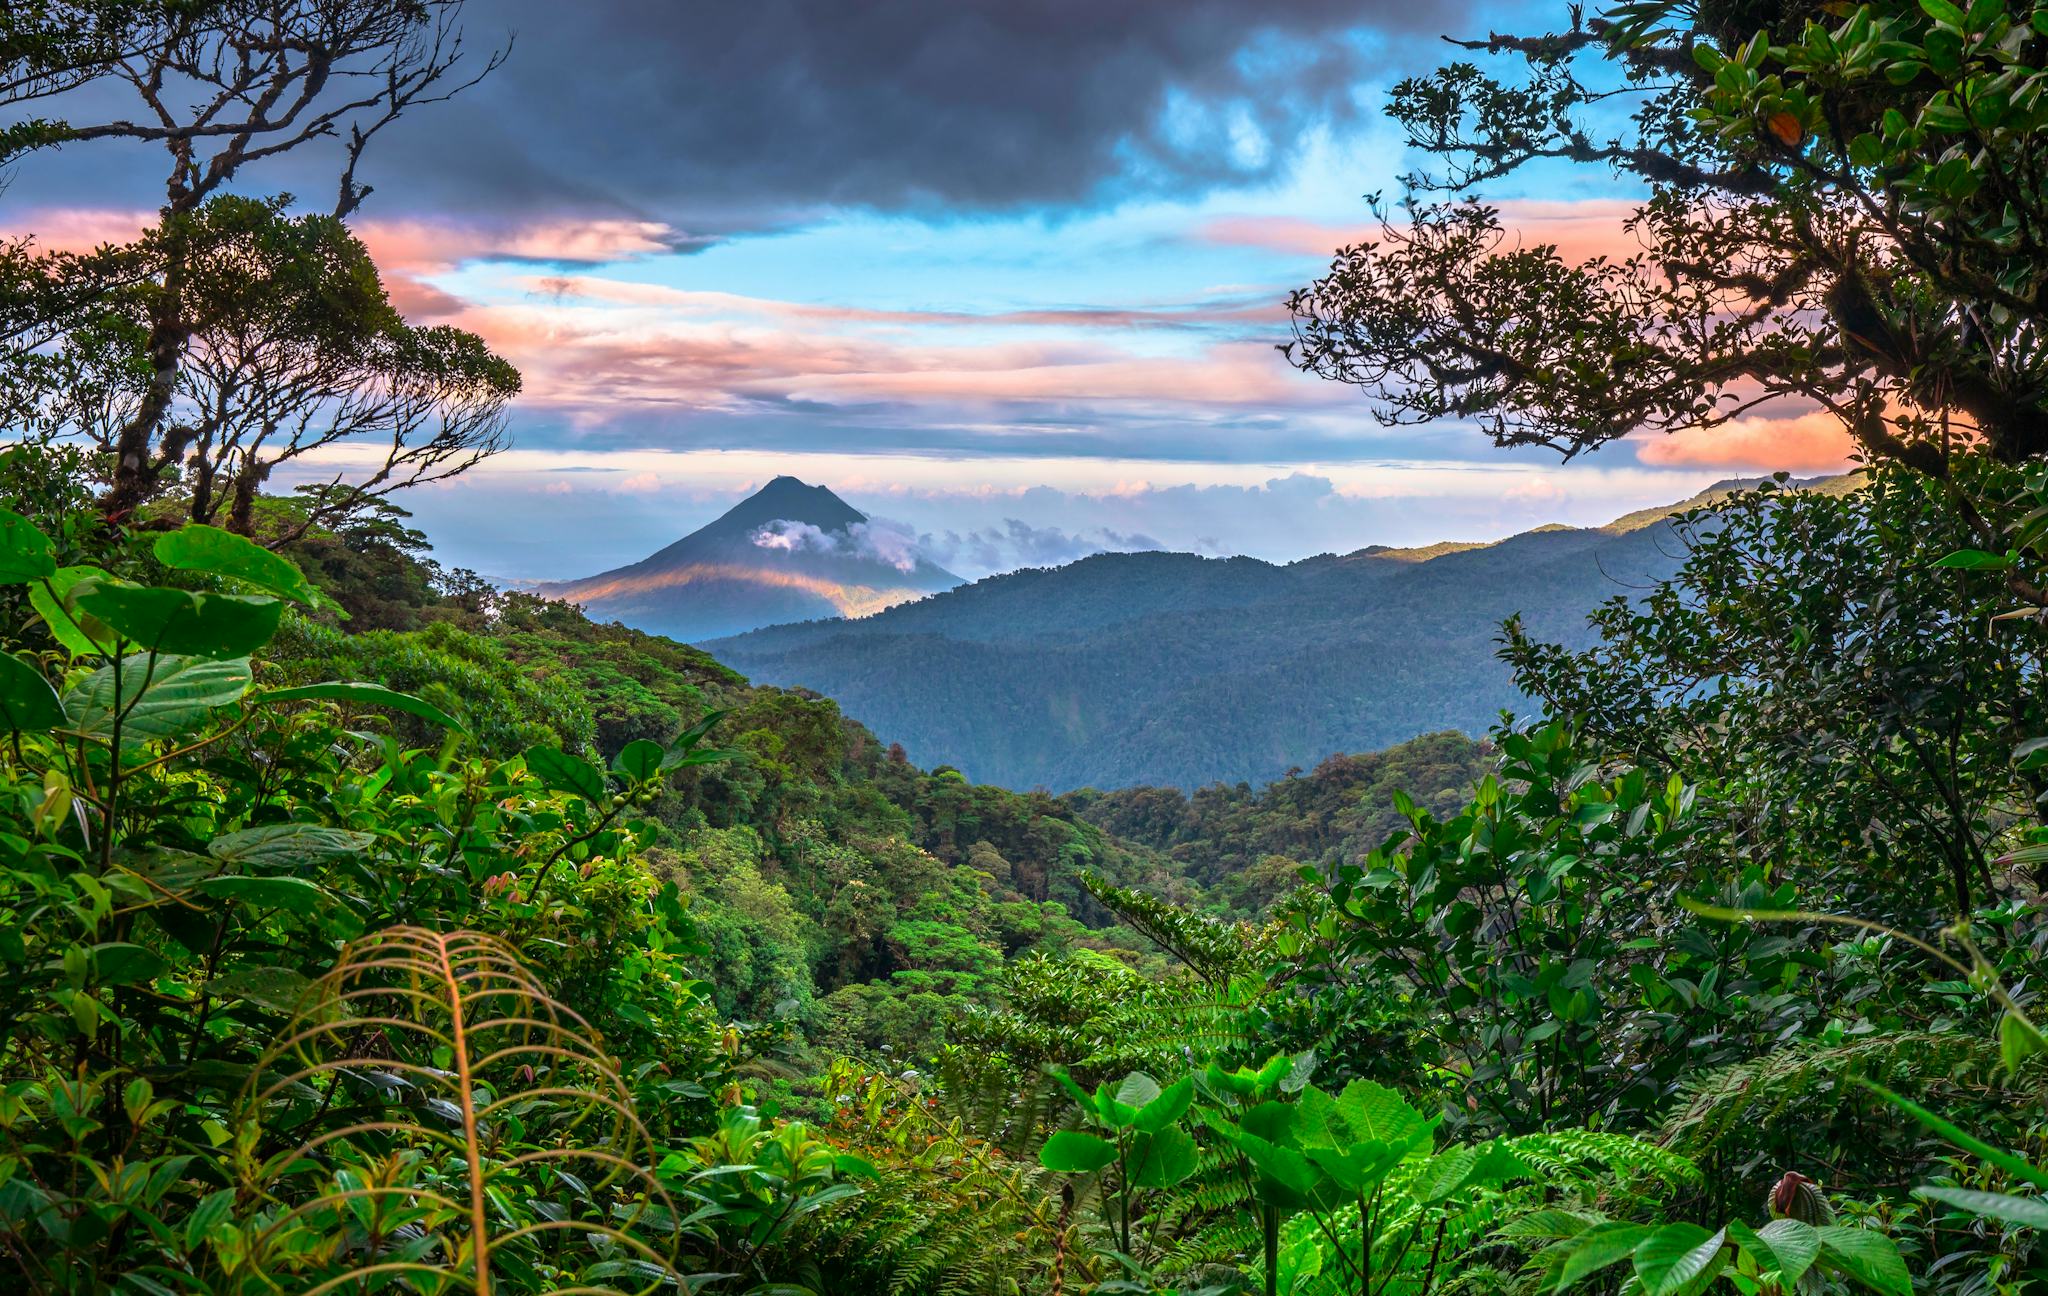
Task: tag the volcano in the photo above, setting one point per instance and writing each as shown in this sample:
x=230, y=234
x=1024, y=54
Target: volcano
x=788, y=552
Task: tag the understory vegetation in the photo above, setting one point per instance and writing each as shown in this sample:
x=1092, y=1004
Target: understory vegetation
x=365, y=928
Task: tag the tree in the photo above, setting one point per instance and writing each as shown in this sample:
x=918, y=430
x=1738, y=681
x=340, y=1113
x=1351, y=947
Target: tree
x=1846, y=212
x=220, y=84
x=1849, y=697
x=291, y=347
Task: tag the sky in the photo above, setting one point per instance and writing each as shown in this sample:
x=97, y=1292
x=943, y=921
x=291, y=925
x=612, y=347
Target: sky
x=1006, y=274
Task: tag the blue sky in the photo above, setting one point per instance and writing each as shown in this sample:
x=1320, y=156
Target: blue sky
x=1009, y=276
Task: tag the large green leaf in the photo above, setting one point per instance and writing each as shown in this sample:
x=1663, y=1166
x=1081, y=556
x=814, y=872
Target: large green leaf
x=1868, y=1256
x=294, y=895
x=1445, y=1174
x=1678, y=1259
x=368, y=694
x=1168, y=1106
x=1360, y=1167
x=27, y=702
x=1793, y=1244
x=2018, y=1040
x=282, y=847
x=1599, y=1247
x=276, y=988
x=125, y=963
x=25, y=553
x=1136, y=1090
x=178, y=621
x=1286, y=1177
x=638, y=760
x=2017, y=1166
x=201, y=548
x=2027, y=1212
x=180, y=693
x=565, y=773
x=1163, y=1159
x=1072, y=1152
x=1375, y=1111
x=81, y=635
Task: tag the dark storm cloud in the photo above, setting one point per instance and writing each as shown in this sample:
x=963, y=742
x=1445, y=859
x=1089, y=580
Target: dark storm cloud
x=738, y=114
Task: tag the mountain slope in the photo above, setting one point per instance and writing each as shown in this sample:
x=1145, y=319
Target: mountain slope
x=1154, y=668
x=787, y=552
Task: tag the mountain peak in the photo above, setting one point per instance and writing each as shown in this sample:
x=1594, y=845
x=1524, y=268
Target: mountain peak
x=788, y=552
x=785, y=499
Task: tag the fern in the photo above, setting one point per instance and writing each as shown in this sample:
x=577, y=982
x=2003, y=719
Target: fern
x=1759, y=1094
x=954, y=1211
x=1214, y=951
x=432, y=1115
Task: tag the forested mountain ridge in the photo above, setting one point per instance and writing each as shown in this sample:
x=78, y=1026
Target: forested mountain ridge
x=1161, y=668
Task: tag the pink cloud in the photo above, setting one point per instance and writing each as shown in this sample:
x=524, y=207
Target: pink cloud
x=429, y=247
x=617, y=292
x=589, y=345
x=1811, y=442
x=1580, y=230
x=78, y=229
x=593, y=360
x=406, y=250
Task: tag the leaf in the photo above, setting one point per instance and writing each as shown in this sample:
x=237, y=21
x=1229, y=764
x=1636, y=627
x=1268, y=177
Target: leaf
x=1163, y=1159
x=638, y=760
x=122, y=963
x=1076, y=1092
x=2018, y=1041
x=562, y=772
x=704, y=756
x=1793, y=1244
x=369, y=694
x=201, y=548
x=281, y=847
x=1974, y=560
x=48, y=597
x=179, y=621
x=279, y=989
x=27, y=702
x=1676, y=1257
x=2018, y=1167
x=1137, y=1089
x=1361, y=1167
x=1286, y=1177
x=24, y=551
x=1375, y=1111
x=1868, y=1256
x=1599, y=1247
x=1072, y=1152
x=293, y=895
x=2024, y=1212
x=1170, y=1105
x=1443, y=1175
x=180, y=693
x=698, y=732
x=213, y=1209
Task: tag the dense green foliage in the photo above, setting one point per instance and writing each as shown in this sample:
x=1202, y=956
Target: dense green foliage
x=363, y=928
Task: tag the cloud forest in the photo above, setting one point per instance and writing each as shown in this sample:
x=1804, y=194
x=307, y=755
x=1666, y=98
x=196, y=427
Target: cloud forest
x=829, y=898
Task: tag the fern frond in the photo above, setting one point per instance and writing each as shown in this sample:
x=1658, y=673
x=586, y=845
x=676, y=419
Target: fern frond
x=1758, y=1094
x=457, y=1122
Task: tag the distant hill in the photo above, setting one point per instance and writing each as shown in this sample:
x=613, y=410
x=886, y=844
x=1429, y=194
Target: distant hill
x=1177, y=670
x=788, y=552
